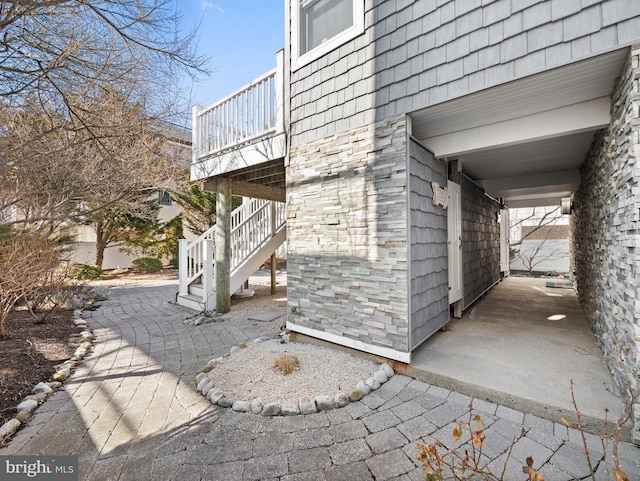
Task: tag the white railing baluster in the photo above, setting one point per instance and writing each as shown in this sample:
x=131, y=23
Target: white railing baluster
x=243, y=116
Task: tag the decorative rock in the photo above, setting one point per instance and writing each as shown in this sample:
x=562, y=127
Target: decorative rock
x=373, y=383
x=257, y=340
x=39, y=397
x=290, y=410
x=207, y=387
x=341, y=399
x=200, y=377
x=42, y=387
x=80, y=322
x=202, y=383
x=53, y=384
x=59, y=376
x=8, y=428
x=23, y=416
x=205, y=369
x=213, y=362
x=257, y=405
x=68, y=364
x=363, y=387
x=380, y=376
x=77, y=314
x=225, y=402
x=324, y=403
x=27, y=405
x=241, y=406
x=355, y=395
x=388, y=370
x=271, y=409
x=87, y=335
x=80, y=352
x=215, y=396
x=242, y=345
x=234, y=349
x=307, y=405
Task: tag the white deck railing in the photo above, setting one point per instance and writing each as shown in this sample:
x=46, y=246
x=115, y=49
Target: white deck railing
x=253, y=112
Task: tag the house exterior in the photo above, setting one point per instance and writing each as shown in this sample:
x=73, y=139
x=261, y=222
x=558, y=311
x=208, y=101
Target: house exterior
x=406, y=131
x=177, y=147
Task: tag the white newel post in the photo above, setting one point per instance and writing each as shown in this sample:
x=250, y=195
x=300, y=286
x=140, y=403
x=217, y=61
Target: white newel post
x=274, y=223
x=207, y=275
x=280, y=124
x=183, y=272
x=196, y=133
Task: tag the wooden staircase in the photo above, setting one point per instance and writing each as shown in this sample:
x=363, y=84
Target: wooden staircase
x=258, y=228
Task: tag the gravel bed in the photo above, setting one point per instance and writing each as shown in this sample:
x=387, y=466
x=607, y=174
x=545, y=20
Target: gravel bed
x=250, y=373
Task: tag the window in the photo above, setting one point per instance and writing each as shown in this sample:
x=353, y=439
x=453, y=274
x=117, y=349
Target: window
x=320, y=26
x=164, y=198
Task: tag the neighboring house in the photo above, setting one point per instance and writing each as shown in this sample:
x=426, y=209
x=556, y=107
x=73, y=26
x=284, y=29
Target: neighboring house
x=178, y=146
x=399, y=132
x=543, y=249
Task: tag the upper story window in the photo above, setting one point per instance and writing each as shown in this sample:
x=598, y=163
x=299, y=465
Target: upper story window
x=164, y=198
x=320, y=26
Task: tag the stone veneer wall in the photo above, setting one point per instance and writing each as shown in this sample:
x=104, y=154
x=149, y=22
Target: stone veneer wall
x=480, y=241
x=347, y=235
x=606, y=229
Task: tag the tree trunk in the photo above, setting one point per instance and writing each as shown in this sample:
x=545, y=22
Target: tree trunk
x=101, y=243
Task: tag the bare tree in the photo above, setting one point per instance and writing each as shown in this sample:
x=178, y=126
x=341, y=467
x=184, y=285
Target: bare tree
x=58, y=47
x=58, y=169
x=531, y=240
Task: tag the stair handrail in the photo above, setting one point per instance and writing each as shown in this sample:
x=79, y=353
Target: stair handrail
x=251, y=234
x=192, y=254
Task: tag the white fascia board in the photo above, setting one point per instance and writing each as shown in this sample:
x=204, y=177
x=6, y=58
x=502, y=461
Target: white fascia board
x=585, y=116
x=240, y=157
x=385, y=352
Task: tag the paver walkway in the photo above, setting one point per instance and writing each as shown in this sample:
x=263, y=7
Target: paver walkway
x=130, y=412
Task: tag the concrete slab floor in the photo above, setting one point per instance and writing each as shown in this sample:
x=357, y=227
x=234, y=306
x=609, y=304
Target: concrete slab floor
x=520, y=346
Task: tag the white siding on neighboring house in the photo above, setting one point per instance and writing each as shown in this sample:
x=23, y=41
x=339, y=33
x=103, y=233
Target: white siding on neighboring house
x=547, y=255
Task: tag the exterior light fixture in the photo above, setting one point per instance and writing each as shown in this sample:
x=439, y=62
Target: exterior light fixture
x=566, y=205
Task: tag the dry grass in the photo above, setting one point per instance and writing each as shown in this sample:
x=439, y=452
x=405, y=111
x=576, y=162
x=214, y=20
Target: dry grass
x=286, y=364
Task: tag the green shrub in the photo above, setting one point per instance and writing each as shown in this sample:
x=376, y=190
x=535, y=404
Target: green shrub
x=174, y=262
x=85, y=271
x=148, y=264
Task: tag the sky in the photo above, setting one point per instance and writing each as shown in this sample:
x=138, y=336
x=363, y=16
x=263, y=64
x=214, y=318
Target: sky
x=239, y=36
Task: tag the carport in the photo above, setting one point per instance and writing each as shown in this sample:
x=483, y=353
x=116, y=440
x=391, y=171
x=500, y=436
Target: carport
x=524, y=143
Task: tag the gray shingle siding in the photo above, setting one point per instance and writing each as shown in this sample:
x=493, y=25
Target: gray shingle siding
x=415, y=54
x=480, y=241
x=428, y=246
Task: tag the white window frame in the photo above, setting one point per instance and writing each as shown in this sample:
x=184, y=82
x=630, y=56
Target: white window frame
x=334, y=42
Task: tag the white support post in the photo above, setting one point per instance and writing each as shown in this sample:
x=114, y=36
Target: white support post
x=207, y=274
x=183, y=271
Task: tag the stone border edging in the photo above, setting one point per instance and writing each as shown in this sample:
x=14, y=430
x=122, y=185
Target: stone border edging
x=43, y=390
x=306, y=404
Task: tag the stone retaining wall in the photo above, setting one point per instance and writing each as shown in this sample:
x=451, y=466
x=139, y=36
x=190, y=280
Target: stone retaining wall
x=347, y=235
x=606, y=227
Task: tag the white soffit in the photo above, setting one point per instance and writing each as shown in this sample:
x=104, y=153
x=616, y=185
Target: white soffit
x=525, y=129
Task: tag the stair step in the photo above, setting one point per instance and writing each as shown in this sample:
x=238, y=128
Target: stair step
x=191, y=301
